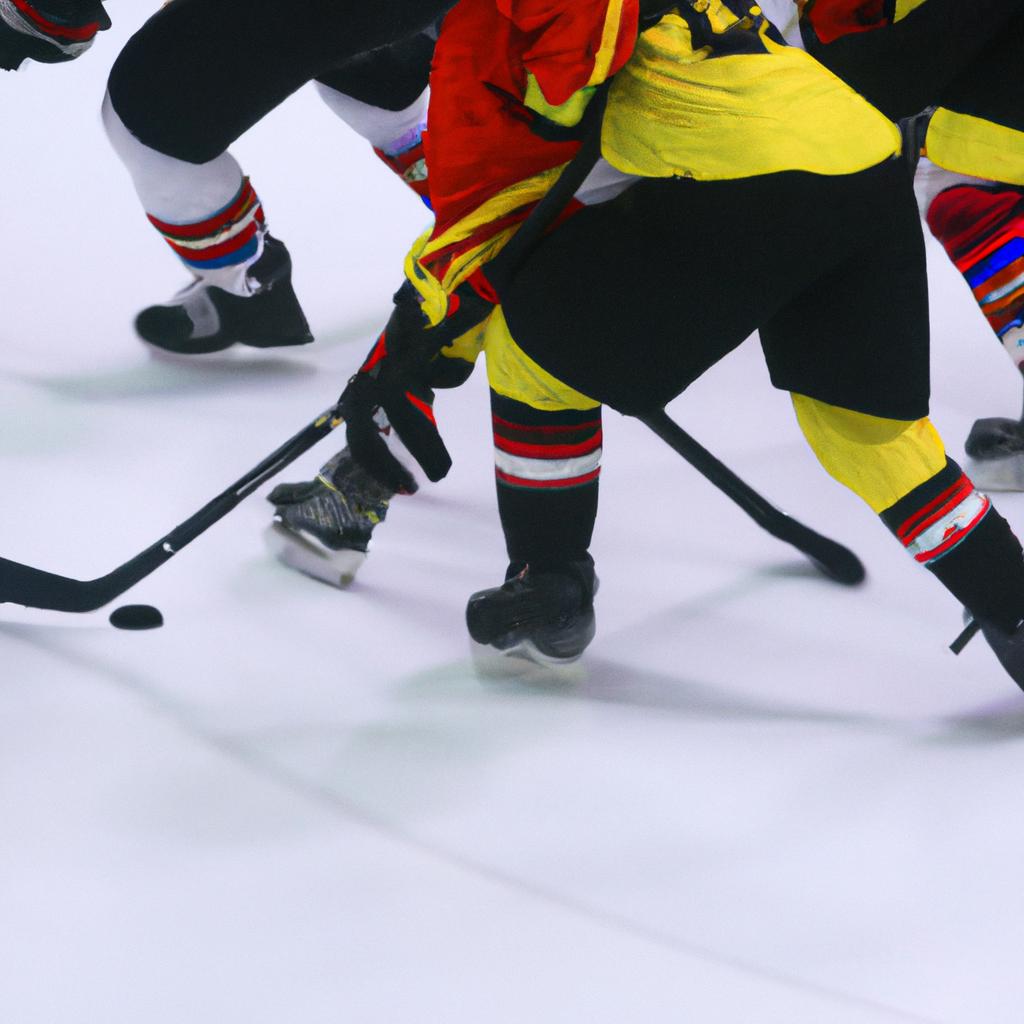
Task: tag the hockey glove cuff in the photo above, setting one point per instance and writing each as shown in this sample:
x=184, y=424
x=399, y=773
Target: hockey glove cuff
x=48, y=31
x=396, y=377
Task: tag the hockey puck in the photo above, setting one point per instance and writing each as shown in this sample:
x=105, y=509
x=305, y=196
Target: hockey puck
x=136, y=616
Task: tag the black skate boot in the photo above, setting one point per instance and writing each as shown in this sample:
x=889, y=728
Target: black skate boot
x=1007, y=647
x=322, y=527
x=546, y=615
x=203, y=318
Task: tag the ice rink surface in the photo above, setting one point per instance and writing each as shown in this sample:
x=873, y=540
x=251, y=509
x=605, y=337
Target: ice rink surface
x=761, y=797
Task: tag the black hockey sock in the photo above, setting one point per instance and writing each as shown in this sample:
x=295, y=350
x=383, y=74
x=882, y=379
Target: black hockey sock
x=547, y=466
x=954, y=531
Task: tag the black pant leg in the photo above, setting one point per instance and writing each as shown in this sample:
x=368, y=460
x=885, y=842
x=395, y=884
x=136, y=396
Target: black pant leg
x=201, y=72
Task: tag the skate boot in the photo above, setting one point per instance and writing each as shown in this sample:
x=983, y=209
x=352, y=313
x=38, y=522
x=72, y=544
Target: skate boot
x=322, y=527
x=995, y=449
x=1007, y=647
x=546, y=616
x=204, y=318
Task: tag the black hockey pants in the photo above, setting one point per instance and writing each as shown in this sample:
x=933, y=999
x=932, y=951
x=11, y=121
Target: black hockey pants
x=201, y=72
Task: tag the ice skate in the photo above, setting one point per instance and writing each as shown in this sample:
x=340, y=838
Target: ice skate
x=995, y=450
x=205, y=318
x=546, y=617
x=1007, y=647
x=322, y=527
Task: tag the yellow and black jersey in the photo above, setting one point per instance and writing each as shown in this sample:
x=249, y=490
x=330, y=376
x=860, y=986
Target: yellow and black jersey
x=712, y=92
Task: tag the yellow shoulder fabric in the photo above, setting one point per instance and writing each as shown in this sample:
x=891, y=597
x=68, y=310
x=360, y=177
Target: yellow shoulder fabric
x=751, y=106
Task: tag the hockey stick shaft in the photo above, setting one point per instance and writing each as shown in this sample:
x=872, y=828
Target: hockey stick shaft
x=35, y=588
x=831, y=557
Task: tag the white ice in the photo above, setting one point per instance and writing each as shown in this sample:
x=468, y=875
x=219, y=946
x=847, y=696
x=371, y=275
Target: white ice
x=761, y=797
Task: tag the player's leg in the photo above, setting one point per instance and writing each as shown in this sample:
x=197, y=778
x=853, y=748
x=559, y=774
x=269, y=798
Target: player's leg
x=862, y=404
x=547, y=448
x=213, y=220
x=202, y=72
x=979, y=129
x=981, y=227
x=175, y=148
x=832, y=267
x=383, y=97
x=901, y=470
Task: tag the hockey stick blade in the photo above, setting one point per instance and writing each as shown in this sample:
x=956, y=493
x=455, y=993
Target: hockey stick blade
x=831, y=558
x=36, y=588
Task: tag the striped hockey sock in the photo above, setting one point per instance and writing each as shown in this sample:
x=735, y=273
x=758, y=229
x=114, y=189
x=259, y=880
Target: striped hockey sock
x=221, y=246
x=405, y=156
x=547, y=467
x=982, y=230
x=955, y=532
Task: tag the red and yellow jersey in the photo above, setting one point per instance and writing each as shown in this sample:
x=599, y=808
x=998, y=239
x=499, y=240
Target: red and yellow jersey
x=494, y=60
x=710, y=92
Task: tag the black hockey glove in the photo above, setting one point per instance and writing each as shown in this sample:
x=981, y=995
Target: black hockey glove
x=399, y=377
x=48, y=31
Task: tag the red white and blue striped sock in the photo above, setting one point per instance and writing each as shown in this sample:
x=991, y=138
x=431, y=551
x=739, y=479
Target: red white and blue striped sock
x=221, y=246
x=982, y=230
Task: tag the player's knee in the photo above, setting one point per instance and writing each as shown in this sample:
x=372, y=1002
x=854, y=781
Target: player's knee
x=152, y=105
x=879, y=459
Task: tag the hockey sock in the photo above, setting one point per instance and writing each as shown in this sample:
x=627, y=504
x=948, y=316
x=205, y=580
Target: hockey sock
x=220, y=247
x=547, y=466
x=901, y=471
x=176, y=191
x=208, y=213
x=954, y=531
x=982, y=230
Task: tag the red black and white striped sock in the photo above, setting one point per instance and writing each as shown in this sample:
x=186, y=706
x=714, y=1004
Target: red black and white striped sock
x=955, y=532
x=547, y=467
x=222, y=244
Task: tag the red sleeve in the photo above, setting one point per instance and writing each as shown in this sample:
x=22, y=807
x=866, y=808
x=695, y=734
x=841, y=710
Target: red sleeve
x=832, y=19
x=573, y=43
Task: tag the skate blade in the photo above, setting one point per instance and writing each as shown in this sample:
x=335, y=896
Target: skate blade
x=524, y=664
x=298, y=552
x=168, y=355
x=1003, y=474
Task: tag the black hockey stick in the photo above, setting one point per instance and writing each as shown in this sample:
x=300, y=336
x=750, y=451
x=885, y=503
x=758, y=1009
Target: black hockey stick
x=835, y=561
x=35, y=588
